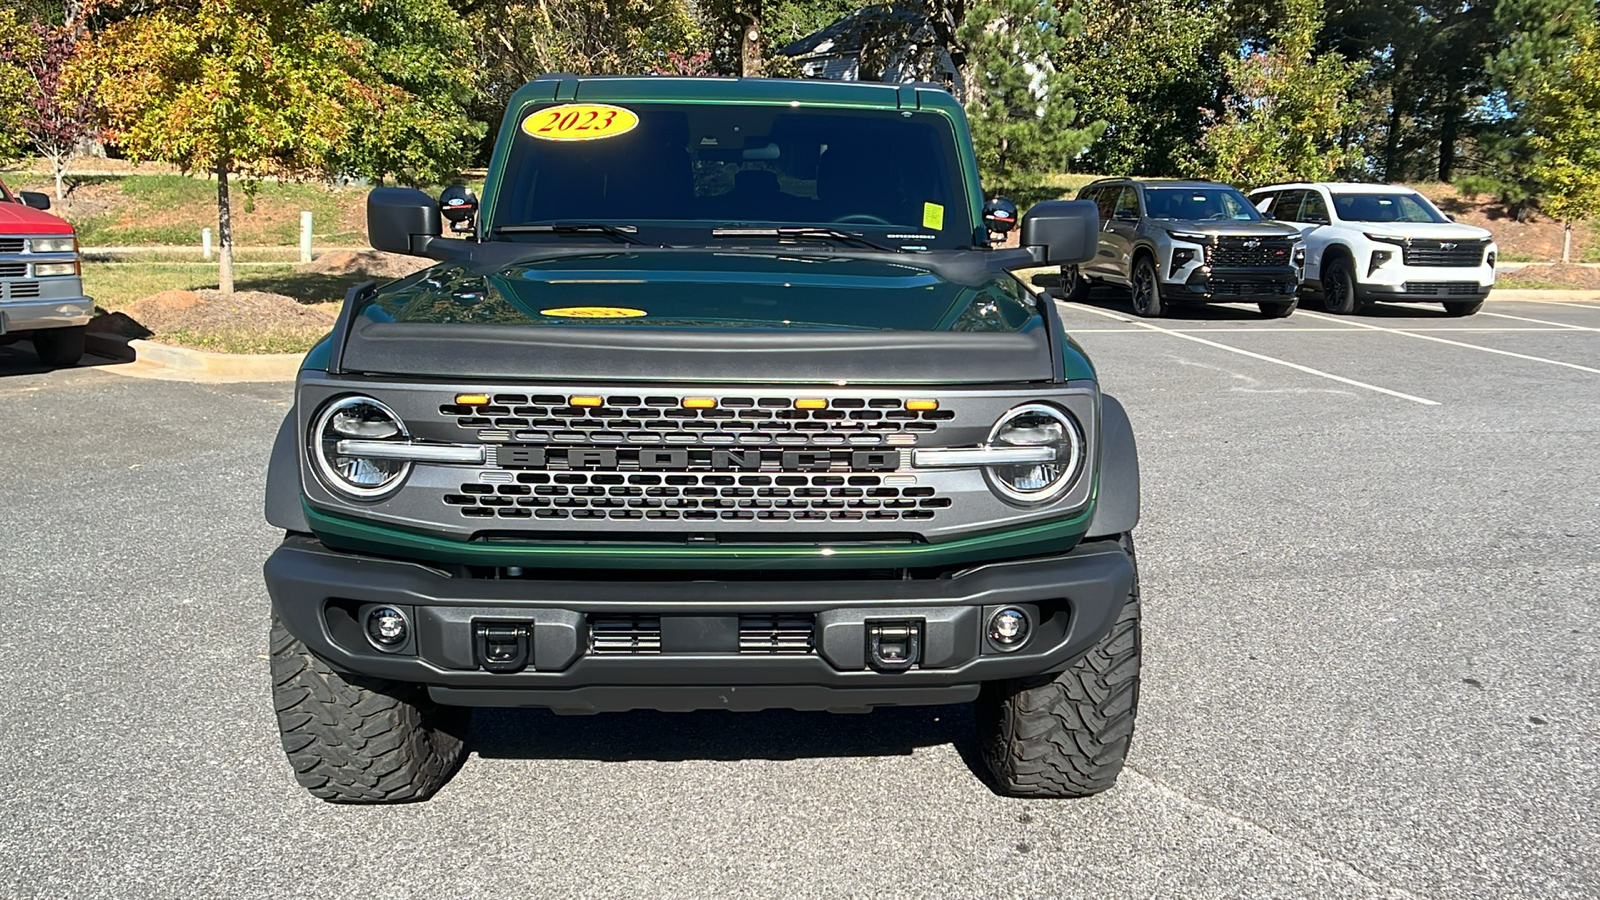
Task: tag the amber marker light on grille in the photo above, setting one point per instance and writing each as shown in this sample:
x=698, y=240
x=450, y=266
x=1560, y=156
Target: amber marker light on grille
x=587, y=401
x=811, y=403
x=922, y=405
x=472, y=399
x=699, y=403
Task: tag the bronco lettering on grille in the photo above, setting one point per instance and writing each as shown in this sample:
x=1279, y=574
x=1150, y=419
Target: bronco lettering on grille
x=521, y=456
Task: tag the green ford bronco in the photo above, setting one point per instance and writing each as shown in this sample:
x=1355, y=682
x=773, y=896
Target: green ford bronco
x=724, y=401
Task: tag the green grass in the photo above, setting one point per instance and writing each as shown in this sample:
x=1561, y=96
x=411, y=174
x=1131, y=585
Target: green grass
x=241, y=340
x=1535, y=286
x=115, y=285
x=171, y=209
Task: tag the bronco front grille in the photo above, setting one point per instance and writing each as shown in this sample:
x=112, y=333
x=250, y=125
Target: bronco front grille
x=652, y=420
x=1249, y=253
x=694, y=497
x=759, y=634
x=1444, y=253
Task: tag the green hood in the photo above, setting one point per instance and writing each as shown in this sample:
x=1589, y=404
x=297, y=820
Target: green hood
x=708, y=289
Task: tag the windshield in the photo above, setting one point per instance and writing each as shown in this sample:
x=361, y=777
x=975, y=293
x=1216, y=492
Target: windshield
x=892, y=175
x=1396, y=207
x=1199, y=203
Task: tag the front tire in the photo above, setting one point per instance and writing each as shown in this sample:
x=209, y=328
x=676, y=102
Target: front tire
x=60, y=346
x=1339, y=289
x=1146, y=288
x=1074, y=287
x=360, y=740
x=1460, y=310
x=1279, y=310
x=1068, y=734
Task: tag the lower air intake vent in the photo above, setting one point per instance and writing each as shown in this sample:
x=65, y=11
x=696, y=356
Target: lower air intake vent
x=625, y=634
x=787, y=633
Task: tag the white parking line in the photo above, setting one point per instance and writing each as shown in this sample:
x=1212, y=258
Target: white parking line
x=1557, y=303
x=1541, y=321
x=1264, y=358
x=1440, y=340
x=1317, y=330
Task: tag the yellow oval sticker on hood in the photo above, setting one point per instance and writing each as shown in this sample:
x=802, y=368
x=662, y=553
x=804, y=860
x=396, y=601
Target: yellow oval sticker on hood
x=579, y=122
x=593, y=312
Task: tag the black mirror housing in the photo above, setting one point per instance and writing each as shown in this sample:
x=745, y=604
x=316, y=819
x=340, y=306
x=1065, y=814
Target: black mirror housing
x=1061, y=232
x=34, y=199
x=1000, y=215
x=402, y=220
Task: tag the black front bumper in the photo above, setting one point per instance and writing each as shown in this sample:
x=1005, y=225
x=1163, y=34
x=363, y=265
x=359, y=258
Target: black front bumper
x=322, y=595
x=1270, y=284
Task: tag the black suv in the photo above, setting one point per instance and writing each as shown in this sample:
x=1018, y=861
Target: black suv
x=1188, y=242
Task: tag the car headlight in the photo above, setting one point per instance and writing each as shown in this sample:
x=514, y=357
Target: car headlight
x=358, y=419
x=45, y=270
x=55, y=245
x=1191, y=236
x=1039, y=427
x=1386, y=238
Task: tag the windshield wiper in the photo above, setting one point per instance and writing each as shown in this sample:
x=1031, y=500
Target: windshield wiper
x=625, y=232
x=801, y=232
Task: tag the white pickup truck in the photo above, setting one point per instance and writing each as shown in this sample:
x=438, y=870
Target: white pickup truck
x=1369, y=243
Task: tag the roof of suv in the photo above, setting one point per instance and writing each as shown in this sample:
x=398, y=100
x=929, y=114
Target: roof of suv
x=622, y=88
x=1157, y=182
x=1343, y=187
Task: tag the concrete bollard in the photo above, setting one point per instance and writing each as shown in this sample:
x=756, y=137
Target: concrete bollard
x=205, y=243
x=305, y=236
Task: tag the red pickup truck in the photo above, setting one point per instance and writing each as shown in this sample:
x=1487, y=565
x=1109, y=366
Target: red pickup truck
x=41, y=291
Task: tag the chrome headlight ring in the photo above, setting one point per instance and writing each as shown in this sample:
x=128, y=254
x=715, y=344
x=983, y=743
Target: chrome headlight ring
x=1068, y=469
x=344, y=474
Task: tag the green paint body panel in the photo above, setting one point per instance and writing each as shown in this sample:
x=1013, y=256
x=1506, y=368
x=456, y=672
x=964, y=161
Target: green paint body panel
x=364, y=537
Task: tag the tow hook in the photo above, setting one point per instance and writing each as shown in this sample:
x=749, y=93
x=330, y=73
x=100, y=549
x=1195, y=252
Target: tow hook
x=502, y=646
x=894, y=646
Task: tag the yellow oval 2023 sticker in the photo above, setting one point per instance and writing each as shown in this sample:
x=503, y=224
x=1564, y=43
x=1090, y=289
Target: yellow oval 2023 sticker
x=580, y=122
x=593, y=312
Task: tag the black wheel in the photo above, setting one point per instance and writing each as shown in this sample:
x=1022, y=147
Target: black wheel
x=1463, y=309
x=360, y=740
x=60, y=346
x=1146, y=289
x=1339, y=288
x=1279, y=310
x=1074, y=287
x=1066, y=735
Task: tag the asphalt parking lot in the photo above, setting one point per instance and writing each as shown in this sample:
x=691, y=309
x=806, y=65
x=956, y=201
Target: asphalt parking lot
x=1369, y=555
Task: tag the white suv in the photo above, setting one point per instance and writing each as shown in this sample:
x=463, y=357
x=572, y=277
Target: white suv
x=1373, y=242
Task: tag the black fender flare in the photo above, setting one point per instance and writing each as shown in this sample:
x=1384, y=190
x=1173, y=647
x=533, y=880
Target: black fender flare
x=1116, y=507
x=284, y=506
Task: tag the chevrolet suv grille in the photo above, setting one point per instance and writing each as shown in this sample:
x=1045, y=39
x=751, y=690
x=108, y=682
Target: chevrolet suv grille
x=1444, y=253
x=1249, y=253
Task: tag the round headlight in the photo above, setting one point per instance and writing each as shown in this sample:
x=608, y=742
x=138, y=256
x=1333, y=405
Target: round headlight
x=358, y=419
x=1037, y=425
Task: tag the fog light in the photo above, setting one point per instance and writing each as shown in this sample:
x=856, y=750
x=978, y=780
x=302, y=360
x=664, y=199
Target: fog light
x=387, y=627
x=1008, y=628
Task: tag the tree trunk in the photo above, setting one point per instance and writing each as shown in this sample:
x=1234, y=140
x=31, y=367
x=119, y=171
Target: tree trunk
x=750, y=46
x=1447, y=144
x=58, y=165
x=1393, y=164
x=1566, y=241
x=224, y=231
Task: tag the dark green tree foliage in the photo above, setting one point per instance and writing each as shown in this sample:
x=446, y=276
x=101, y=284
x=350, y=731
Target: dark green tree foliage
x=1146, y=67
x=409, y=119
x=1024, y=120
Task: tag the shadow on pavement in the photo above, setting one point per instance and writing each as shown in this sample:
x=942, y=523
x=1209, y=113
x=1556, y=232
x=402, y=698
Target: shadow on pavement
x=721, y=735
x=18, y=358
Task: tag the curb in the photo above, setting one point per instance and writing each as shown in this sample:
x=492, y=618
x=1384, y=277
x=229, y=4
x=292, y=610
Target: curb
x=1545, y=295
x=146, y=359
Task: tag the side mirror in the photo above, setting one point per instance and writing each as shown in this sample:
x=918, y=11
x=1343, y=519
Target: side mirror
x=34, y=199
x=401, y=220
x=1000, y=215
x=459, y=205
x=1061, y=232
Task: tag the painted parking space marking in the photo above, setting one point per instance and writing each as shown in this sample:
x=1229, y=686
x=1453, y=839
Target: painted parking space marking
x=1429, y=337
x=1272, y=330
x=1567, y=325
x=1558, y=303
x=1262, y=357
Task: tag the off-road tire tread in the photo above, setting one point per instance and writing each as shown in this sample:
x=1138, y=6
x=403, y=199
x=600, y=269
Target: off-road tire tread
x=360, y=740
x=1066, y=735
